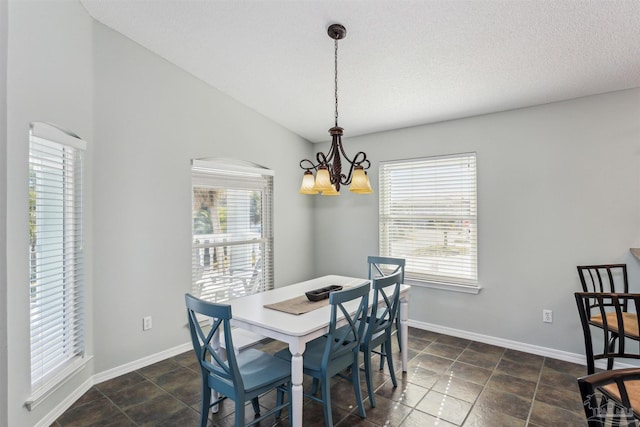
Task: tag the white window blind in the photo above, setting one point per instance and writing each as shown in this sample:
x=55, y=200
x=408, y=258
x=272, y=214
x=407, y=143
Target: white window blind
x=232, y=245
x=56, y=251
x=428, y=216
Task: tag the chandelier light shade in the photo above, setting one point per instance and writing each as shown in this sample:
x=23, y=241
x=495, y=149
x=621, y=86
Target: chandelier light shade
x=328, y=167
x=323, y=179
x=331, y=191
x=360, y=181
x=308, y=184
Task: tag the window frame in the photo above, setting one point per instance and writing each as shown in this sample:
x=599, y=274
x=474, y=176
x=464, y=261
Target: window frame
x=228, y=174
x=463, y=275
x=56, y=161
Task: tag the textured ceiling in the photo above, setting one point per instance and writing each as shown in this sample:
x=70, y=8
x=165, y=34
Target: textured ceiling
x=403, y=63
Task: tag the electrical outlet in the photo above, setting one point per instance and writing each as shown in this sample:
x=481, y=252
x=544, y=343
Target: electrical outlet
x=547, y=316
x=146, y=323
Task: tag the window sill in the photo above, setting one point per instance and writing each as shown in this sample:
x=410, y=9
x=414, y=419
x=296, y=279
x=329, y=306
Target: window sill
x=454, y=287
x=44, y=391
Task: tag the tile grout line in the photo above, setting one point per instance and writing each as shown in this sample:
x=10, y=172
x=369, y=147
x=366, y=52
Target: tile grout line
x=535, y=392
x=457, y=360
x=418, y=353
x=473, y=404
x=168, y=392
x=117, y=406
x=484, y=386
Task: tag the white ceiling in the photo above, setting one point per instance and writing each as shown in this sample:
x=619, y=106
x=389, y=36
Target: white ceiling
x=403, y=63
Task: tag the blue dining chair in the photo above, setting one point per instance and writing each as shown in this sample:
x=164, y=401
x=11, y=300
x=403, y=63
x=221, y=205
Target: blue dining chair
x=242, y=377
x=329, y=355
x=380, y=266
x=386, y=292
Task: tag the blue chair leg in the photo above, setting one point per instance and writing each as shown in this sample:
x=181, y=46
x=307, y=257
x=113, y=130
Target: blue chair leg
x=280, y=401
x=256, y=406
x=326, y=400
x=240, y=413
x=204, y=407
x=314, y=386
x=386, y=348
x=367, y=374
x=355, y=378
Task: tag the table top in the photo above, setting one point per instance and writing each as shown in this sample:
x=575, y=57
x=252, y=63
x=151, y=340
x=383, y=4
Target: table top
x=250, y=310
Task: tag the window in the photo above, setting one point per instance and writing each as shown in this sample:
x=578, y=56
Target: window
x=232, y=245
x=56, y=252
x=428, y=216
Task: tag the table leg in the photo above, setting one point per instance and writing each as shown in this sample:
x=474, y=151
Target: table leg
x=404, y=331
x=215, y=343
x=296, y=384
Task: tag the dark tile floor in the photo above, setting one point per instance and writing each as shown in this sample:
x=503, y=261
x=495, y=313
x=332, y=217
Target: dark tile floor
x=450, y=382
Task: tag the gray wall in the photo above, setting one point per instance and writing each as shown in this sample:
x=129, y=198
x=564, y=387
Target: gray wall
x=49, y=79
x=151, y=118
x=3, y=213
x=558, y=186
x=144, y=119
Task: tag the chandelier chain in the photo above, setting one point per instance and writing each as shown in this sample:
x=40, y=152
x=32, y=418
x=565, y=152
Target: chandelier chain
x=336, y=78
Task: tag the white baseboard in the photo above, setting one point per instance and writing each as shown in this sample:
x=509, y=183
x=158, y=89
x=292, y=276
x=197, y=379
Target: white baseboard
x=579, y=359
x=52, y=416
x=65, y=404
x=141, y=363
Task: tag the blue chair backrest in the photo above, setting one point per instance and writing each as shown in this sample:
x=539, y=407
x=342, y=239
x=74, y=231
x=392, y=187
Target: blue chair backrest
x=380, y=266
x=386, y=300
x=226, y=369
x=341, y=341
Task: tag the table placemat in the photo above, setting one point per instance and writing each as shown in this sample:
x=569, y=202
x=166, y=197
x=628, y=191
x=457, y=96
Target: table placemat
x=298, y=305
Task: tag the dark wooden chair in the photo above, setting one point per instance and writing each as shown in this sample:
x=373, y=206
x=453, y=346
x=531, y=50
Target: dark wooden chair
x=604, y=278
x=614, y=314
x=611, y=398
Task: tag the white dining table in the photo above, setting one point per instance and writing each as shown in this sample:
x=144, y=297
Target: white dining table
x=249, y=313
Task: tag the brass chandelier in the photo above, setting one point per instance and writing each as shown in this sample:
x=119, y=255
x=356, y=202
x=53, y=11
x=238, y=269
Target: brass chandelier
x=328, y=169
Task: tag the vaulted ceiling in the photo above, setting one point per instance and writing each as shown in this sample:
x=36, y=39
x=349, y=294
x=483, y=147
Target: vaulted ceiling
x=402, y=63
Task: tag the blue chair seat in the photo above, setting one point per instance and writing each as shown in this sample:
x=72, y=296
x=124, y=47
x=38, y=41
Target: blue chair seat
x=257, y=368
x=313, y=356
